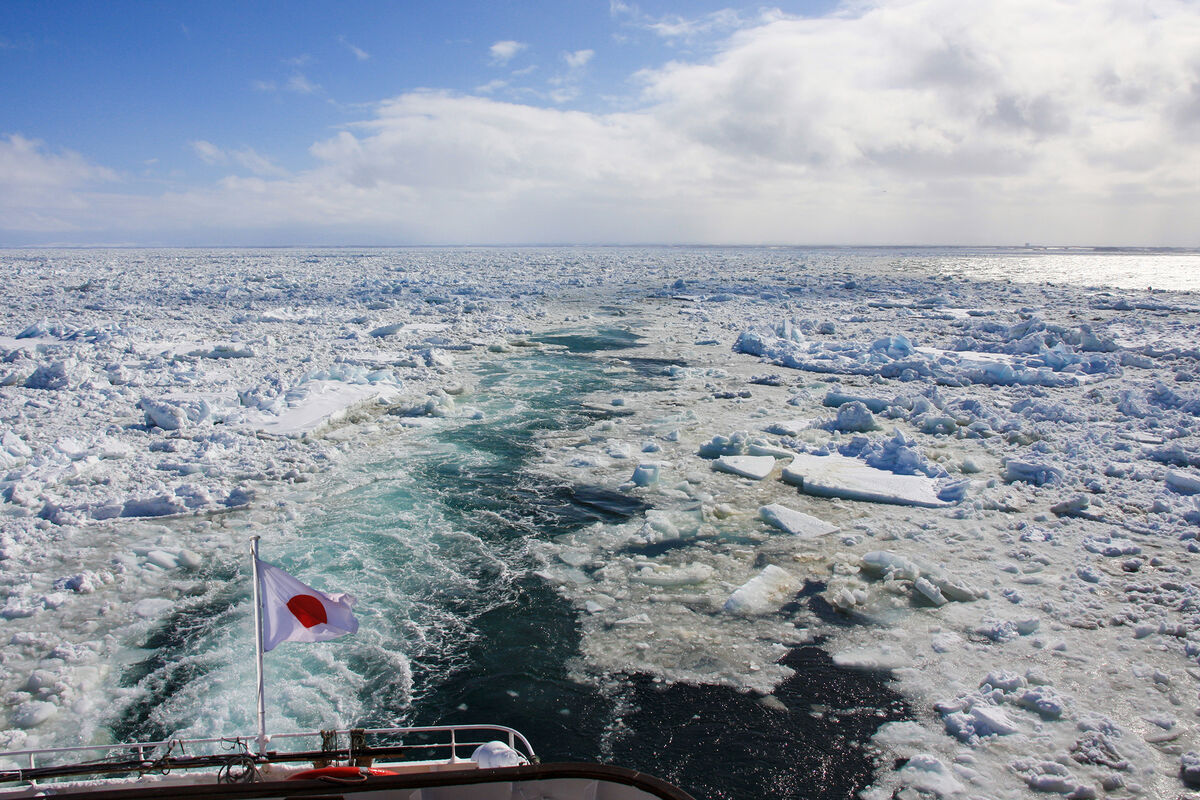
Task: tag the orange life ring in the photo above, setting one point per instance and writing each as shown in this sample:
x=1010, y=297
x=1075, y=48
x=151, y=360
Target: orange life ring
x=340, y=774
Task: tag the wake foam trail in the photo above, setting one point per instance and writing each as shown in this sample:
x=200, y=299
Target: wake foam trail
x=431, y=541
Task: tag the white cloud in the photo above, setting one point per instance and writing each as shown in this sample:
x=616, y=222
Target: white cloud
x=247, y=157
x=491, y=86
x=359, y=53
x=677, y=28
x=889, y=121
x=41, y=191
x=209, y=153
x=300, y=84
x=578, y=58
x=257, y=163
x=504, y=51
x=26, y=163
x=938, y=91
x=565, y=86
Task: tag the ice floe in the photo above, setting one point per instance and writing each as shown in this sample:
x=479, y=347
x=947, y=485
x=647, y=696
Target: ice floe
x=753, y=467
x=795, y=522
x=849, y=478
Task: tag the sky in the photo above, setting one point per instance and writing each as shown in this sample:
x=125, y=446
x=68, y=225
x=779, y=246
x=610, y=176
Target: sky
x=972, y=122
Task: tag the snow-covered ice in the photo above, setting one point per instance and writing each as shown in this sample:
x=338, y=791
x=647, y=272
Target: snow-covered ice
x=795, y=522
x=753, y=467
x=992, y=484
x=850, y=478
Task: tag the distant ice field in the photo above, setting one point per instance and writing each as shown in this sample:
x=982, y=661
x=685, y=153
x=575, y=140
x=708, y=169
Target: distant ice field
x=776, y=521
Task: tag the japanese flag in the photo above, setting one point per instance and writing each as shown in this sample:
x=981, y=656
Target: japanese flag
x=295, y=612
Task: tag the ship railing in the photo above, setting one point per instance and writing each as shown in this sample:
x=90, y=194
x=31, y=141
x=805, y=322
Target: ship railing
x=433, y=743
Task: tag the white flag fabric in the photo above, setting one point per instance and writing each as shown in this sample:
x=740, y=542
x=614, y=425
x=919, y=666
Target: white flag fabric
x=295, y=612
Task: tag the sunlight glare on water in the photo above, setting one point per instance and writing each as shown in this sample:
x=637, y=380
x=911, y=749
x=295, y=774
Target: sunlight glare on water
x=1161, y=270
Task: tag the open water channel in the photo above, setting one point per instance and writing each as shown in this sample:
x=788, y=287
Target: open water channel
x=433, y=531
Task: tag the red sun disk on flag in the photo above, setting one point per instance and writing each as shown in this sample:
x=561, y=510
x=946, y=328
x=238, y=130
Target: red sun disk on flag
x=308, y=609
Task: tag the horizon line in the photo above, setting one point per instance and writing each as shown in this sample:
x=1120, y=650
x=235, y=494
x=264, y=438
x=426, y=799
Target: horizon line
x=532, y=245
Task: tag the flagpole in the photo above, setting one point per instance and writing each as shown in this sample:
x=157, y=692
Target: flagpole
x=258, y=648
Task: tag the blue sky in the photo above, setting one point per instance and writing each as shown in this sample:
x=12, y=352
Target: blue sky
x=132, y=84
x=866, y=121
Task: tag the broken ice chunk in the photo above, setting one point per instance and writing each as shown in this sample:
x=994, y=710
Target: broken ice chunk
x=161, y=558
x=794, y=522
x=849, y=478
x=683, y=576
x=1043, y=700
x=929, y=591
x=980, y=722
x=791, y=427
x=855, y=417
x=168, y=416
x=1031, y=472
x=1050, y=776
x=725, y=445
x=754, y=467
x=32, y=713
x=929, y=776
x=887, y=563
x=55, y=376
x=766, y=592
x=883, y=657
x=1183, y=482
x=1072, y=507
x=645, y=474
x=1189, y=769
x=837, y=399
x=930, y=581
x=387, y=330
x=760, y=448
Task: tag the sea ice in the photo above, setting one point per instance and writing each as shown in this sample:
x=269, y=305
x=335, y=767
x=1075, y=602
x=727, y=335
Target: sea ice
x=645, y=474
x=795, y=522
x=320, y=403
x=753, y=467
x=1030, y=472
x=1183, y=482
x=877, y=657
x=203, y=381
x=764, y=593
x=32, y=713
x=849, y=478
x=930, y=776
x=855, y=417
x=683, y=576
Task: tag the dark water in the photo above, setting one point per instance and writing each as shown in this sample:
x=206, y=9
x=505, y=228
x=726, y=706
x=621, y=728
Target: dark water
x=593, y=341
x=719, y=743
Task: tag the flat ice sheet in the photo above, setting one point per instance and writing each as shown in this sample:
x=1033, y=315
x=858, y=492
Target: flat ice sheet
x=795, y=522
x=849, y=478
x=754, y=467
x=325, y=402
